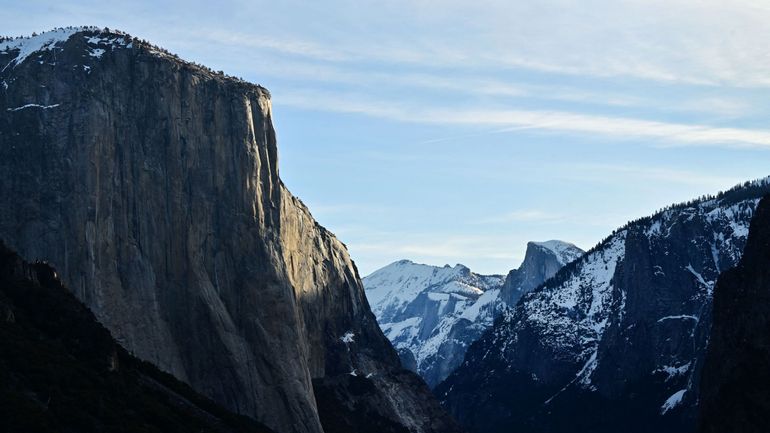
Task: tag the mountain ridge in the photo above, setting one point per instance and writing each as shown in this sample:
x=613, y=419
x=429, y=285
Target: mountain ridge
x=616, y=338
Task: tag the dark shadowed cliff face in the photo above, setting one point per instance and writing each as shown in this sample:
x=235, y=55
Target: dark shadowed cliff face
x=152, y=185
x=614, y=341
x=735, y=390
x=61, y=371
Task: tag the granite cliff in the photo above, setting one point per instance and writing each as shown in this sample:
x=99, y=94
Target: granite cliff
x=151, y=184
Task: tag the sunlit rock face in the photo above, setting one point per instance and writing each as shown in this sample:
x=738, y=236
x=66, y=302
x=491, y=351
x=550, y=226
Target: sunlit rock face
x=151, y=184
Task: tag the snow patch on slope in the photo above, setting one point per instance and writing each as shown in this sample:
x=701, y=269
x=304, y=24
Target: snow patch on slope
x=485, y=302
x=403, y=330
x=33, y=44
x=101, y=43
x=673, y=401
x=26, y=47
x=673, y=371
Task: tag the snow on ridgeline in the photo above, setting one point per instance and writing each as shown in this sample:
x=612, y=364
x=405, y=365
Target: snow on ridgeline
x=50, y=40
x=391, y=288
x=98, y=41
x=565, y=252
x=27, y=46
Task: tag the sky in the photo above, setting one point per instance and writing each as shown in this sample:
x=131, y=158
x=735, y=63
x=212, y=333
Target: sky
x=454, y=132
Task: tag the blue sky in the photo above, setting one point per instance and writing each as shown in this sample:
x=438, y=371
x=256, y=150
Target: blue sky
x=454, y=132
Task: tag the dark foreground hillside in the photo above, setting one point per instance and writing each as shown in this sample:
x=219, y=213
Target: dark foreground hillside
x=735, y=392
x=61, y=371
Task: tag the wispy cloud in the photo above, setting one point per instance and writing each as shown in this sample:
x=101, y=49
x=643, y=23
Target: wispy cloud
x=664, y=133
x=721, y=106
x=439, y=248
x=478, y=84
x=291, y=46
x=703, y=43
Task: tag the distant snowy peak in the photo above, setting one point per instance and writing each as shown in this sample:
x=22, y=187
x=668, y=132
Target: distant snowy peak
x=564, y=252
x=399, y=283
x=431, y=313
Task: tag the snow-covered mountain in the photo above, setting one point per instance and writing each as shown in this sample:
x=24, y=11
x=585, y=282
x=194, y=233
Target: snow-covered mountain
x=615, y=340
x=432, y=314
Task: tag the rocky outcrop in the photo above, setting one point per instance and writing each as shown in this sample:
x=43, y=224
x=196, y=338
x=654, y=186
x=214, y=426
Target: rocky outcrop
x=614, y=341
x=541, y=262
x=60, y=370
x=734, y=387
x=152, y=185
